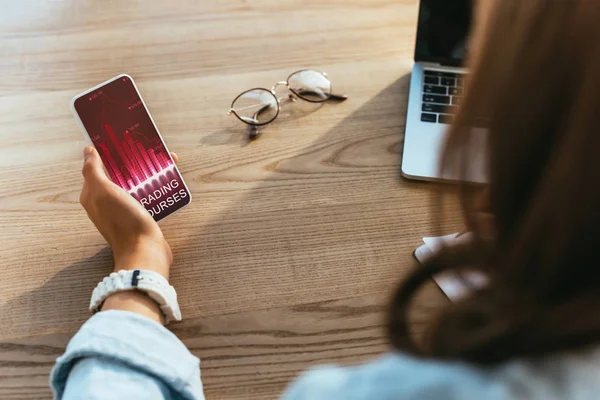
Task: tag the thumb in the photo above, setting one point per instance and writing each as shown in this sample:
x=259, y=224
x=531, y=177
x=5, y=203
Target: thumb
x=92, y=164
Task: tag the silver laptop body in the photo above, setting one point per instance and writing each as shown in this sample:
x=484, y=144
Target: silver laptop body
x=436, y=90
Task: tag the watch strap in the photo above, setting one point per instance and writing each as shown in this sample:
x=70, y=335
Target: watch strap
x=153, y=284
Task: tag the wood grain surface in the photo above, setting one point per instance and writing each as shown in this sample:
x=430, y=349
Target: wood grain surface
x=292, y=243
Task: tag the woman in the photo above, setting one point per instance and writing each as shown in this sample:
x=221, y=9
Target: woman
x=532, y=332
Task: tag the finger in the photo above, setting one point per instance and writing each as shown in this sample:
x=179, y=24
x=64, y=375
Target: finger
x=175, y=157
x=92, y=165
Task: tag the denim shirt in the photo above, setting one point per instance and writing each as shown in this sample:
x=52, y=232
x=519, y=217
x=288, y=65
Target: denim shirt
x=123, y=355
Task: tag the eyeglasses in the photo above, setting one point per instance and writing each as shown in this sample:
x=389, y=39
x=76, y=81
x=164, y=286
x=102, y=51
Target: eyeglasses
x=260, y=106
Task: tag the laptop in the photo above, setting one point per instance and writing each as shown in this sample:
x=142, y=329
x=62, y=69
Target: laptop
x=436, y=90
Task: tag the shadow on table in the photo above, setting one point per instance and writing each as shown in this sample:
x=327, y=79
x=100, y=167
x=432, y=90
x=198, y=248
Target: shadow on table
x=70, y=289
x=298, y=207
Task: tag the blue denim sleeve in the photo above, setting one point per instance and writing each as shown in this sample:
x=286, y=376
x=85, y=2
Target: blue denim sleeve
x=120, y=354
x=395, y=377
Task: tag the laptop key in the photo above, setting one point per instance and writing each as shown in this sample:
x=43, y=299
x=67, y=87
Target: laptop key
x=438, y=108
x=434, y=89
x=428, y=117
x=460, y=82
x=446, y=119
x=432, y=98
x=432, y=80
x=432, y=108
x=456, y=100
x=448, y=81
x=455, y=91
x=432, y=73
x=450, y=75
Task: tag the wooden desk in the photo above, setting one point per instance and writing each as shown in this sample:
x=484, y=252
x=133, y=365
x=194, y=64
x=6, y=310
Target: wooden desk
x=292, y=243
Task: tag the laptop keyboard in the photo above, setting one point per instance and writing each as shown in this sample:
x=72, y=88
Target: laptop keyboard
x=442, y=94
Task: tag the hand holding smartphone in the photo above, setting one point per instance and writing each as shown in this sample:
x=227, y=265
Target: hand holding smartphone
x=115, y=118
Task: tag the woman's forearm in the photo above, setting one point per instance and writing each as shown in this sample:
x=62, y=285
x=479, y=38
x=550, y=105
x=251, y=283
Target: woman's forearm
x=146, y=256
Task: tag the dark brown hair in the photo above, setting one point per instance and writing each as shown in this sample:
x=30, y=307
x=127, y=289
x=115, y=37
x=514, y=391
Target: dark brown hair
x=535, y=85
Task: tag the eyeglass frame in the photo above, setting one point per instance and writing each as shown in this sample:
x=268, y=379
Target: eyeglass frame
x=292, y=96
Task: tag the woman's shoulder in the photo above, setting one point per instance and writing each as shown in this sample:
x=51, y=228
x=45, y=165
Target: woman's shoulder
x=399, y=376
x=395, y=376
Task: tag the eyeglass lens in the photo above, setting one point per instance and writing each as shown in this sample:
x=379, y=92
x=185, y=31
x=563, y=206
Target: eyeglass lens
x=310, y=85
x=256, y=106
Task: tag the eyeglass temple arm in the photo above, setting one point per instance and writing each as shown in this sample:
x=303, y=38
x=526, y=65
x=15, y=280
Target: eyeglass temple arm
x=253, y=128
x=267, y=106
x=332, y=96
x=261, y=110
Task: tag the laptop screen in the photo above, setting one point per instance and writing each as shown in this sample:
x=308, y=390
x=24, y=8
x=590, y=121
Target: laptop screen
x=442, y=31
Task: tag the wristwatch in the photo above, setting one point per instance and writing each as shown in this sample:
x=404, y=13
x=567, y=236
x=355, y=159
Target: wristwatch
x=153, y=284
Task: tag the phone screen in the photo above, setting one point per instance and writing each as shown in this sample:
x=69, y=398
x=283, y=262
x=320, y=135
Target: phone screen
x=131, y=148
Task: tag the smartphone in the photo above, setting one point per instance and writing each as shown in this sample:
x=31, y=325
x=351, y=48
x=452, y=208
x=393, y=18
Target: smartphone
x=116, y=120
